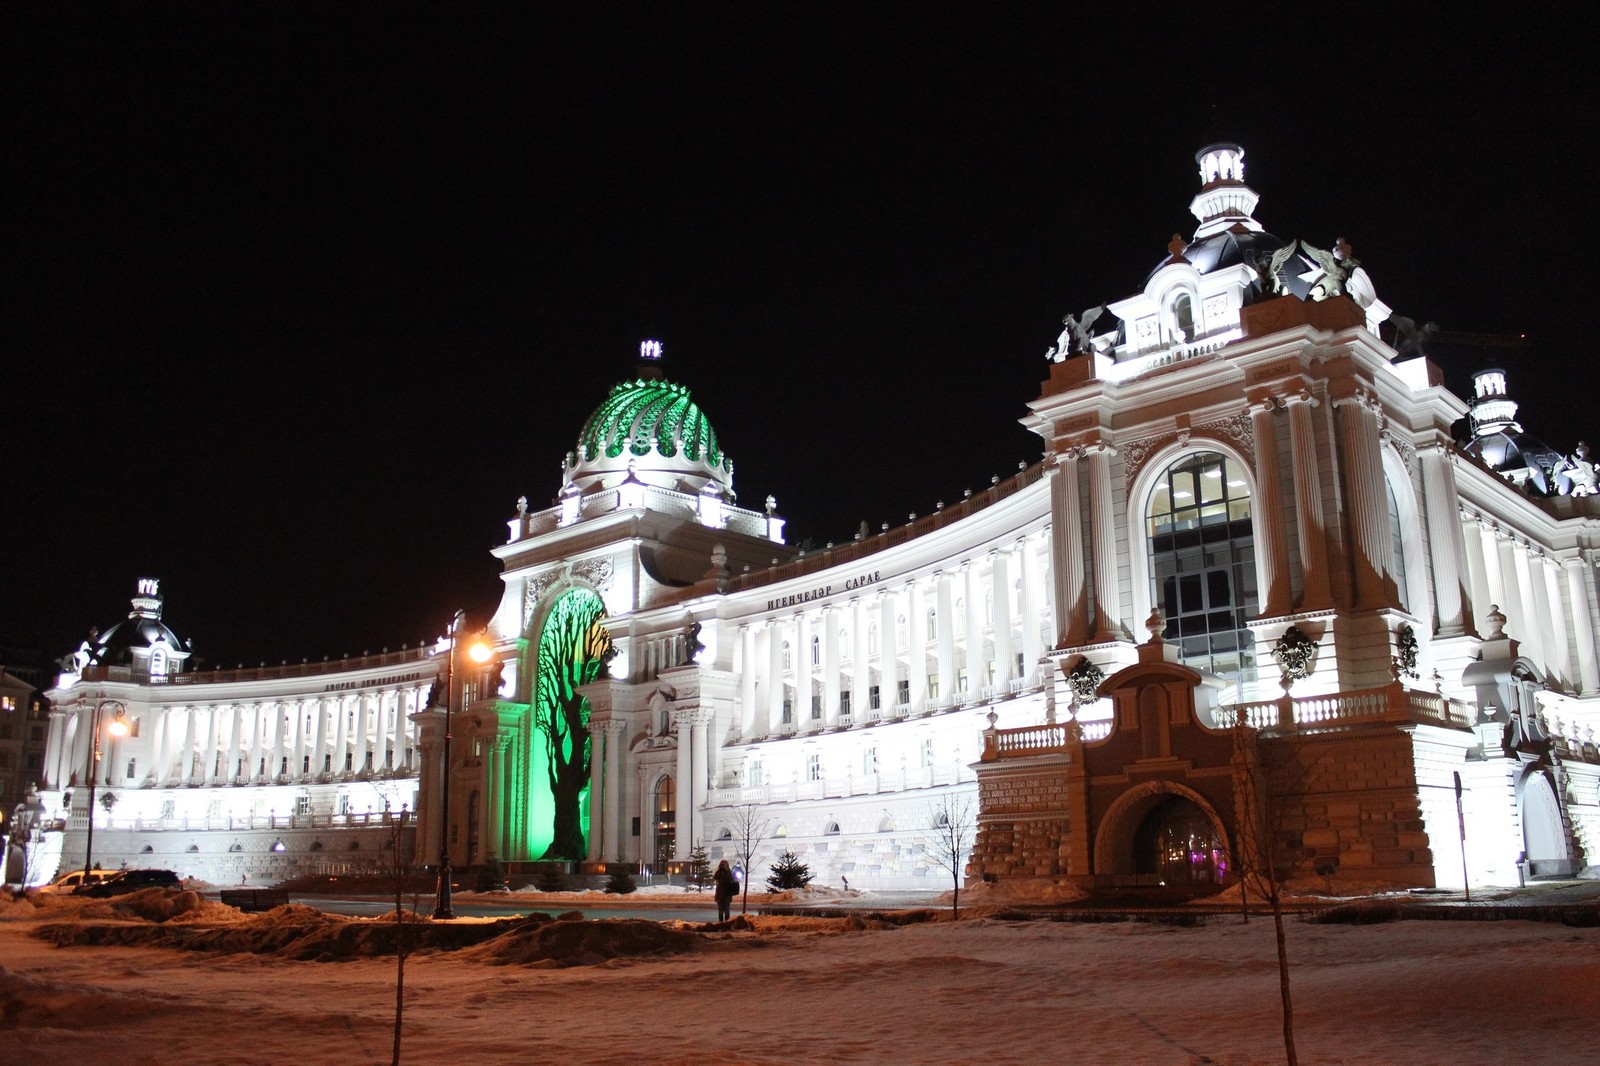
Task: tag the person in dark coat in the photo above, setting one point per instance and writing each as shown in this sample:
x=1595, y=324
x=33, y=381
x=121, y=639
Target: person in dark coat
x=727, y=888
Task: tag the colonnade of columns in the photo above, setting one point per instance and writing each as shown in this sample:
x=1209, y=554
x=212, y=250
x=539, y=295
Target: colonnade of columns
x=1549, y=599
x=247, y=743
x=819, y=667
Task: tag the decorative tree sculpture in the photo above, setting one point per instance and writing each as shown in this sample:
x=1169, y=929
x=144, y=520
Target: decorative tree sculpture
x=573, y=649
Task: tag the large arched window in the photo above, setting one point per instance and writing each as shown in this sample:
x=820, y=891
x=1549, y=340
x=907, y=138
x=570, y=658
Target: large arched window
x=1398, y=548
x=1202, y=562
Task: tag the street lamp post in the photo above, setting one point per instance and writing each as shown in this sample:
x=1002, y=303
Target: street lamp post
x=479, y=652
x=118, y=728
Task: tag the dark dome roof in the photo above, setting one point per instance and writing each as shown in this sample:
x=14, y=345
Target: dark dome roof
x=136, y=632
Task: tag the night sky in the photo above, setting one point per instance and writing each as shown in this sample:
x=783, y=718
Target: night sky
x=298, y=302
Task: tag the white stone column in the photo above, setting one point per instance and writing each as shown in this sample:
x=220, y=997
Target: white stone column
x=397, y=735
x=1557, y=656
x=616, y=730
x=830, y=666
x=888, y=655
x=286, y=715
x=56, y=741
x=157, y=737
x=916, y=642
x=1000, y=594
x=861, y=675
x=1310, y=526
x=1539, y=611
x=1489, y=538
x=186, y=750
x=1477, y=574
x=208, y=767
x=599, y=737
x=1369, y=507
x=774, y=677
x=363, y=744
x=684, y=784
x=303, y=710
x=747, y=681
x=342, y=711
x=1581, y=617
x=235, y=745
x=1067, y=574
x=700, y=773
x=1514, y=572
x=1445, y=549
x=973, y=654
x=803, y=684
x=319, y=753
x=945, y=619
x=1032, y=647
x=1103, y=543
x=1272, y=552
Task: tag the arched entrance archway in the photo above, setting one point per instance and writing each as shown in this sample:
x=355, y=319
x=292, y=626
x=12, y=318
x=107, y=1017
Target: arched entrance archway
x=1176, y=845
x=664, y=805
x=1544, y=837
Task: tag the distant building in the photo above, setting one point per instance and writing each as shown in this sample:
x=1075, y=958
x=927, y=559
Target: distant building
x=1254, y=600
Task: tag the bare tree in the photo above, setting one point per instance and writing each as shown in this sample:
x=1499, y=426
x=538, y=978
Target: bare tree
x=952, y=828
x=1265, y=775
x=749, y=830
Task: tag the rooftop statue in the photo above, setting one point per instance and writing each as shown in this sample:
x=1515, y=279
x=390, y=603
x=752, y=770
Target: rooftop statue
x=1077, y=335
x=1580, y=471
x=1330, y=282
x=1408, y=337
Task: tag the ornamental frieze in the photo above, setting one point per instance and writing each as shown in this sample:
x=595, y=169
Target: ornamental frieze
x=1235, y=427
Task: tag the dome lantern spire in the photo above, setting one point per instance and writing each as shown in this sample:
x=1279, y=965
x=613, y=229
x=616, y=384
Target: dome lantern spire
x=1224, y=200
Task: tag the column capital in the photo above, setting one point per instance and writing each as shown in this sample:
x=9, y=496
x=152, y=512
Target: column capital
x=1265, y=405
x=1292, y=399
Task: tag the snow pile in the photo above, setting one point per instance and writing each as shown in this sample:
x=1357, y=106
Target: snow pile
x=580, y=943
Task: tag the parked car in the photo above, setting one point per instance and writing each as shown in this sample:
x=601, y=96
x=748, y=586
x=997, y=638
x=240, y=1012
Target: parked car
x=70, y=880
x=129, y=881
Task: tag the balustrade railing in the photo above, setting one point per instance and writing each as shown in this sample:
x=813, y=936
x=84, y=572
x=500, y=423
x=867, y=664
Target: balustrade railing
x=1391, y=703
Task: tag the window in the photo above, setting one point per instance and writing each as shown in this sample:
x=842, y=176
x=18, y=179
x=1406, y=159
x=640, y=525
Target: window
x=5, y=760
x=927, y=752
x=788, y=710
x=1183, y=318
x=302, y=803
x=832, y=829
x=758, y=774
x=816, y=651
x=341, y=803
x=133, y=769
x=903, y=695
x=1202, y=562
x=933, y=625
x=961, y=679
x=1398, y=548
x=813, y=768
x=869, y=761
x=816, y=706
x=873, y=697
x=933, y=687
x=844, y=703
x=788, y=656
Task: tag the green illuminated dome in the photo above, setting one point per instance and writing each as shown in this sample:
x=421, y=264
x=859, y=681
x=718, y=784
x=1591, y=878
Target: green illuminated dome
x=653, y=428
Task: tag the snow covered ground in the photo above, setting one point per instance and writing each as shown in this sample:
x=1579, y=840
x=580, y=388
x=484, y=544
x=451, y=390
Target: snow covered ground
x=794, y=990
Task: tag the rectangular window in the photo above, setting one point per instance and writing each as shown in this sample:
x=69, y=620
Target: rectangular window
x=873, y=697
x=133, y=769
x=961, y=679
x=844, y=702
x=903, y=694
x=341, y=803
x=758, y=774
x=869, y=761
x=349, y=757
x=1020, y=671
x=988, y=672
x=788, y=711
x=927, y=752
x=813, y=768
x=302, y=803
x=933, y=687
x=816, y=707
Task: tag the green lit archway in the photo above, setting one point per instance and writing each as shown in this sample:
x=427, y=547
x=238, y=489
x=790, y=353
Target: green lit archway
x=573, y=647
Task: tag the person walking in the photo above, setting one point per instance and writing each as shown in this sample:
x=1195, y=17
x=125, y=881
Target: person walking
x=727, y=886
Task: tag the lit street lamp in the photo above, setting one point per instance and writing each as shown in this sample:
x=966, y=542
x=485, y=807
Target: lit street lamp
x=117, y=728
x=479, y=652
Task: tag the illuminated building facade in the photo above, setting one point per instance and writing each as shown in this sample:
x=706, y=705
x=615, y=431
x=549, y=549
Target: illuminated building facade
x=1254, y=591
